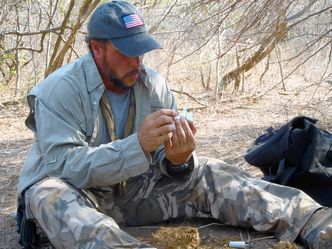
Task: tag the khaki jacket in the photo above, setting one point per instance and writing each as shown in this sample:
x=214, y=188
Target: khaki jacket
x=66, y=119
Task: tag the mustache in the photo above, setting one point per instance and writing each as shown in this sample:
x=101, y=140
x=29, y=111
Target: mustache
x=119, y=81
x=134, y=71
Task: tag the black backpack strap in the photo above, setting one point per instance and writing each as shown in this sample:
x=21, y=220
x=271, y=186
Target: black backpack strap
x=282, y=174
x=25, y=227
x=288, y=172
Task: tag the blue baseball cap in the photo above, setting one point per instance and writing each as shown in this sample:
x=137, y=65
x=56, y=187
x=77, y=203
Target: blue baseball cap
x=122, y=24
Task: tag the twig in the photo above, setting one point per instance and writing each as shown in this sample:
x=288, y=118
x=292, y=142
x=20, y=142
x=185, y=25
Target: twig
x=45, y=31
x=146, y=227
x=190, y=96
x=6, y=185
x=196, y=108
x=166, y=13
x=210, y=224
x=263, y=238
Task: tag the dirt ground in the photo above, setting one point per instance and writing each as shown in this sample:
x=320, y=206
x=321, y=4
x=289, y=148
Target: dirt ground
x=226, y=129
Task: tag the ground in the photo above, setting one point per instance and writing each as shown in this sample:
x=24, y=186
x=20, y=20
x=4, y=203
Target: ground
x=226, y=129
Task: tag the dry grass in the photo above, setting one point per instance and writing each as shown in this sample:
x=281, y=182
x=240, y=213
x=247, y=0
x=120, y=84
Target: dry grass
x=284, y=245
x=183, y=237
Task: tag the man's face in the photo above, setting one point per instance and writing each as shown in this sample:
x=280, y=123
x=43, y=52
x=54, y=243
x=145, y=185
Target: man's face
x=122, y=71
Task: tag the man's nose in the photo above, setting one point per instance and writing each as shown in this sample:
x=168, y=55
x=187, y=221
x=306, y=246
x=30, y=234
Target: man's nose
x=136, y=61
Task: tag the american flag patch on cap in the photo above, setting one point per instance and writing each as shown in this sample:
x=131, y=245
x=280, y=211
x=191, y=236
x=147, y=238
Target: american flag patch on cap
x=132, y=21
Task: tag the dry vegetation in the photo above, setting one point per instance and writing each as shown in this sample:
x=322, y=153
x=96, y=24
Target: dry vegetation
x=241, y=66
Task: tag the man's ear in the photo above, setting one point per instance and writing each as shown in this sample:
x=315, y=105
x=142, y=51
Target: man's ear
x=97, y=48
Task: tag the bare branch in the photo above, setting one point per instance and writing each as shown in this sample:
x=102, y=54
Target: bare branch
x=38, y=50
x=166, y=13
x=190, y=96
x=31, y=33
x=86, y=8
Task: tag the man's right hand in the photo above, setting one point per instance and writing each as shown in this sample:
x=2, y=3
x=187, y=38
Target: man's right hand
x=156, y=129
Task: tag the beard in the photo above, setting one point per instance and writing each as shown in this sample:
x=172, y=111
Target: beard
x=115, y=79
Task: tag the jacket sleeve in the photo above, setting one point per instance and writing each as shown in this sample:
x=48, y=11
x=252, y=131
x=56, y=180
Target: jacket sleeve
x=67, y=155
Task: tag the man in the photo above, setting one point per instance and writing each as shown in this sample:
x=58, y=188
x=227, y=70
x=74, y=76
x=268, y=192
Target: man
x=107, y=152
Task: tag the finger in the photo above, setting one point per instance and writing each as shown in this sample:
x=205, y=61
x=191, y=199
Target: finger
x=169, y=144
x=190, y=138
x=163, y=112
x=175, y=141
x=162, y=130
x=192, y=128
x=163, y=139
x=166, y=138
x=180, y=132
x=188, y=128
x=163, y=120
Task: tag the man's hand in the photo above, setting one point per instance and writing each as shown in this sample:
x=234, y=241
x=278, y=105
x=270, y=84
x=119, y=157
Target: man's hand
x=156, y=129
x=179, y=148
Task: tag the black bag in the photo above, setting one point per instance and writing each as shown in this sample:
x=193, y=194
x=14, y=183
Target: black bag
x=25, y=227
x=299, y=154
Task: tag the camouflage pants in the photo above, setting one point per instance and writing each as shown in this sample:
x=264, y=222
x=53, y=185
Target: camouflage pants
x=215, y=189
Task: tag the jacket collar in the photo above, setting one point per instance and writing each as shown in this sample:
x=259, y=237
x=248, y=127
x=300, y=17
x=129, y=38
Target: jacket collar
x=92, y=74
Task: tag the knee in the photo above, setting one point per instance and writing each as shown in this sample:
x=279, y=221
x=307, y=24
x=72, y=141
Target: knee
x=47, y=193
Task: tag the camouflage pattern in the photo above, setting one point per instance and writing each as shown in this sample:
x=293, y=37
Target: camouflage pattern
x=317, y=233
x=215, y=189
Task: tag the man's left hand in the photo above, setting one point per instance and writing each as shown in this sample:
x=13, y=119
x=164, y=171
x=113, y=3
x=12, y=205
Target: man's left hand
x=179, y=149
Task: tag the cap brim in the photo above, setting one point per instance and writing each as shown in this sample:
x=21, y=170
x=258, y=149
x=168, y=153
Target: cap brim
x=136, y=45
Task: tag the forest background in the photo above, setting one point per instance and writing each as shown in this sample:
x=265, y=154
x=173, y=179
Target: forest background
x=239, y=65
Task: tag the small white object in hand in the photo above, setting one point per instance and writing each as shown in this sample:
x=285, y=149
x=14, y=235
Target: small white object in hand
x=189, y=116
